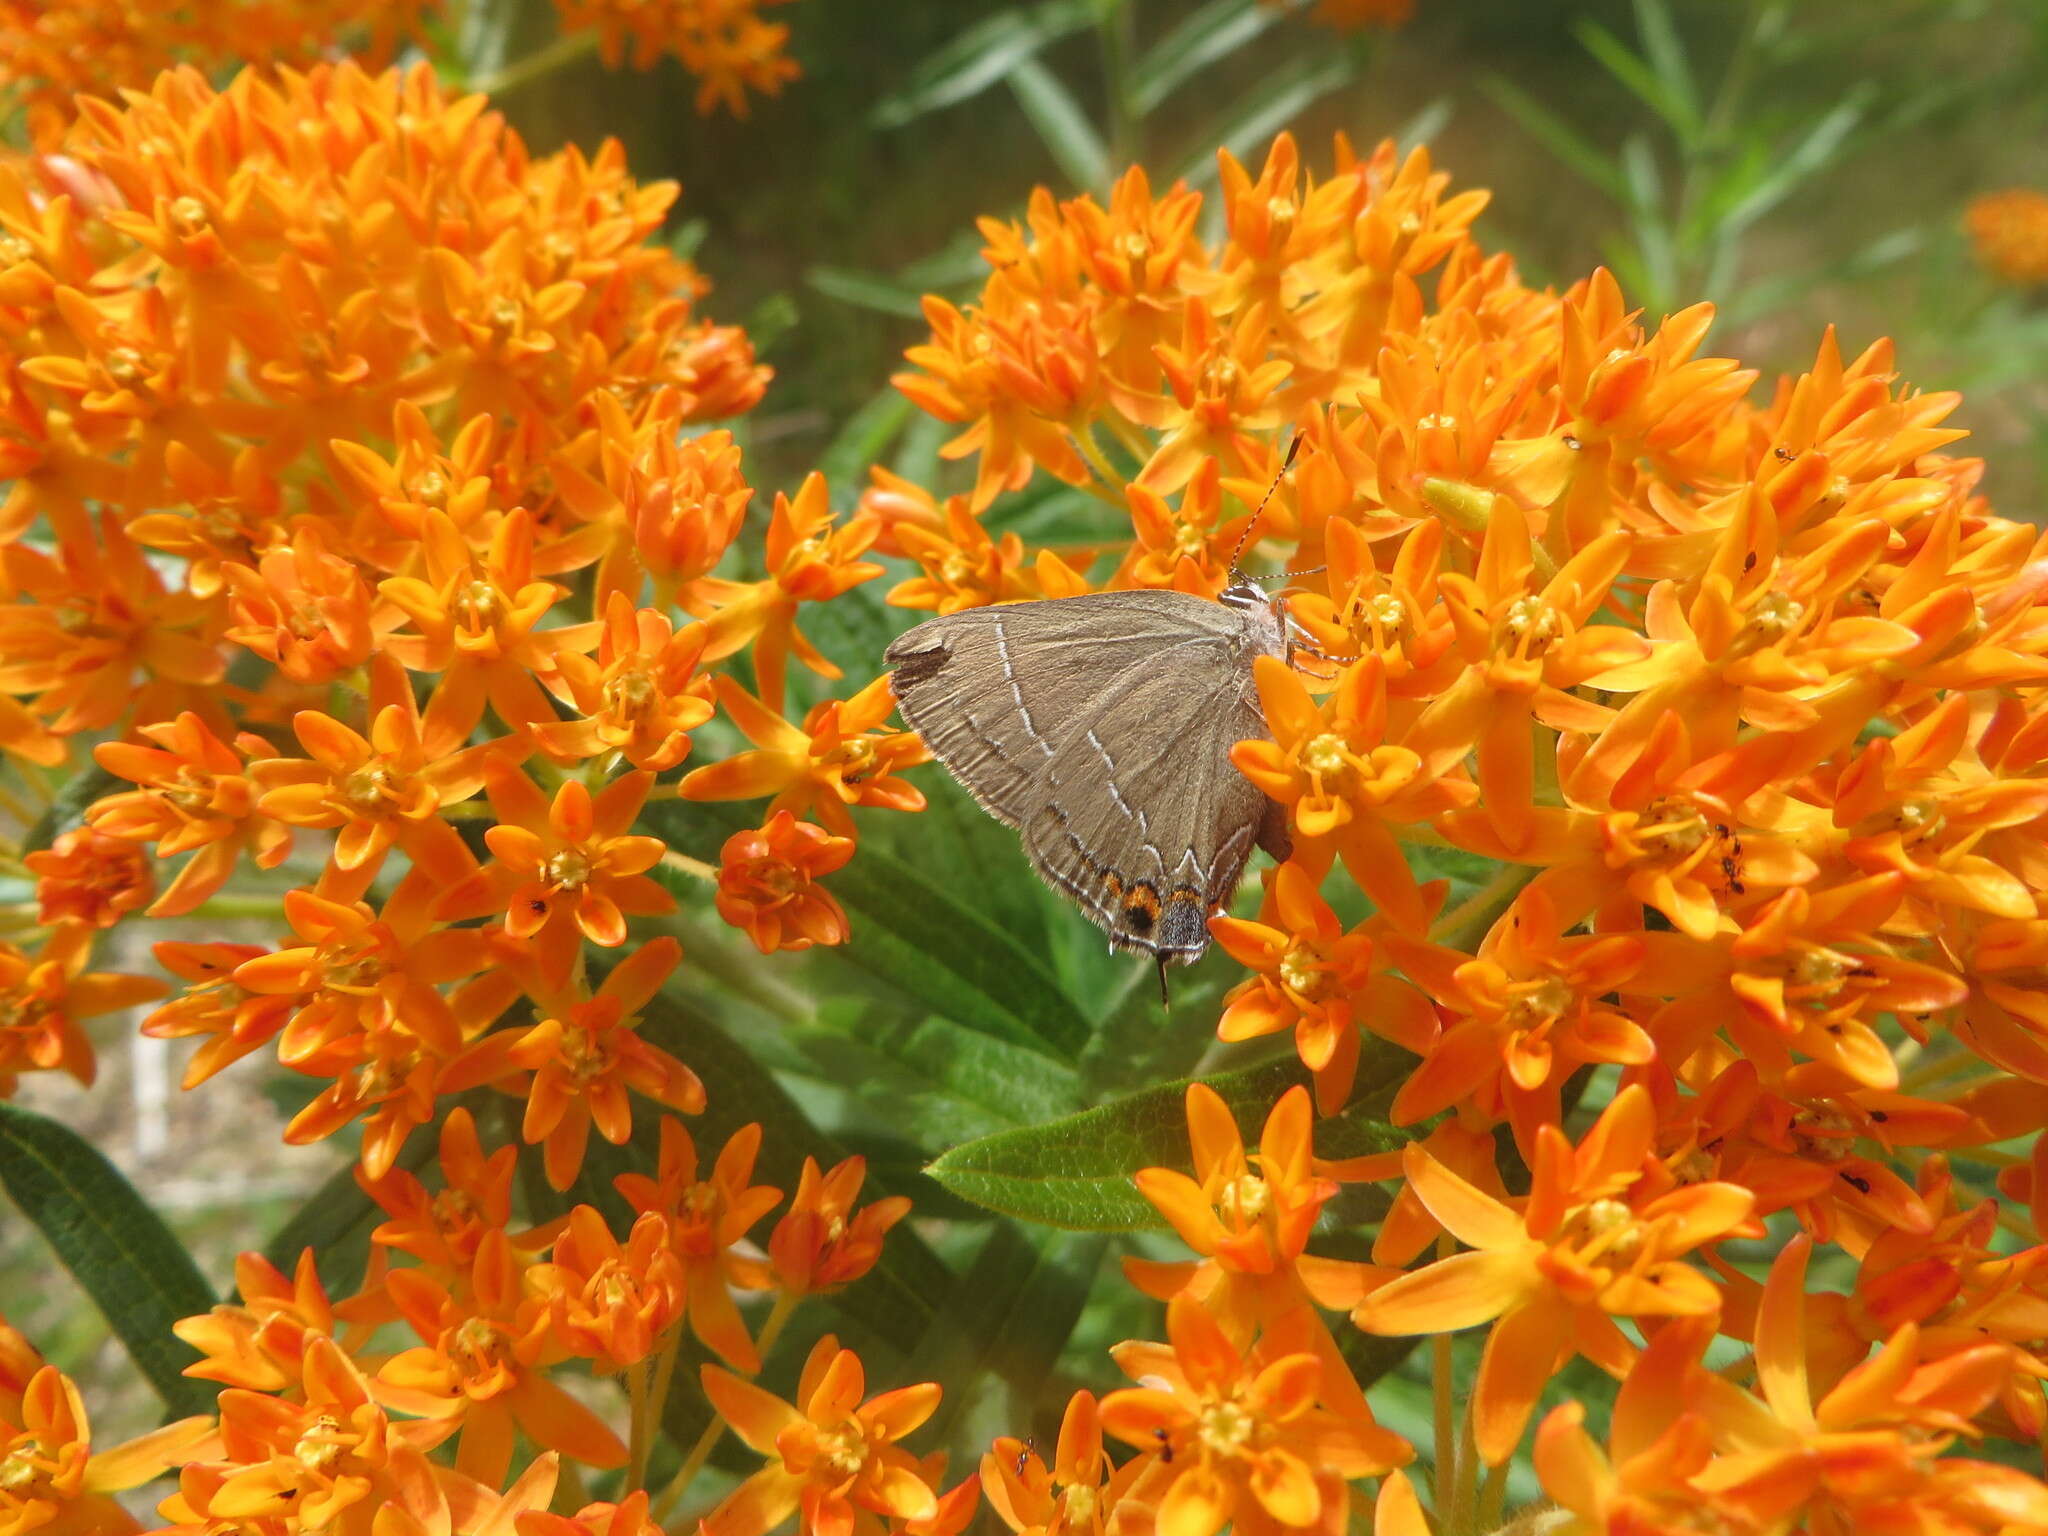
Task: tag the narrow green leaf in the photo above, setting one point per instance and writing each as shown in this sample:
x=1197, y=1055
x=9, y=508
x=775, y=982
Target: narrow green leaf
x=68, y=808
x=866, y=290
x=1425, y=125
x=1062, y=126
x=1666, y=53
x=1623, y=63
x=1250, y=123
x=1814, y=150
x=910, y=935
x=1212, y=32
x=978, y=58
x=1555, y=135
x=1077, y=1172
x=137, y=1273
x=336, y=1221
x=864, y=438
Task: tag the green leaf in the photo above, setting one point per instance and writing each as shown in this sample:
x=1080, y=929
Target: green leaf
x=909, y=934
x=866, y=290
x=137, y=1273
x=1626, y=66
x=1061, y=124
x=978, y=58
x=336, y=1222
x=864, y=437
x=1012, y=1314
x=1213, y=32
x=1555, y=135
x=1667, y=57
x=1250, y=123
x=1077, y=1172
x=1814, y=150
x=67, y=810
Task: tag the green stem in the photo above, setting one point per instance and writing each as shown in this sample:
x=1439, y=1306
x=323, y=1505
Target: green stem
x=563, y=51
x=641, y=1435
x=1113, y=22
x=1469, y=921
x=1446, y=1421
x=785, y=1303
x=1084, y=440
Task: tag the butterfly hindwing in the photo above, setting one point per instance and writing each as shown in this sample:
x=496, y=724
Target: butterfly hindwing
x=1101, y=726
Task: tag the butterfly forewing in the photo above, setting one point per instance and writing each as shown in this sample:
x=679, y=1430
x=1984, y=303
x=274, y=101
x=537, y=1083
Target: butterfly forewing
x=1101, y=725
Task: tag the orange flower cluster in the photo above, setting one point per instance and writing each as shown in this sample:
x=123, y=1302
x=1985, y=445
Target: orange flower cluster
x=727, y=44
x=2009, y=232
x=101, y=47
x=1354, y=15
x=315, y=388
x=1742, y=698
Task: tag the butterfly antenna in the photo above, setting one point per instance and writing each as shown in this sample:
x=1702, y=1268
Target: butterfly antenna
x=1259, y=511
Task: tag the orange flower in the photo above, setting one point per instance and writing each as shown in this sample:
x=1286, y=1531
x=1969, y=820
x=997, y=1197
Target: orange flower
x=641, y=698
x=1251, y=1229
x=88, y=877
x=194, y=797
x=767, y=884
x=51, y=1480
x=43, y=998
x=582, y=1057
x=235, y=1020
x=489, y=1342
x=835, y=760
x=1592, y=1238
x=1239, y=1434
x=831, y=1454
x=477, y=623
x=1527, y=1011
x=565, y=871
x=386, y=788
x=2009, y=230
x=706, y=1218
x=1309, y=974
x=729, y=47
x=809, y=560
x=1076, y=1497
x=821, y=1242
x=1345, y=783
x=444, y=1229
x=303, y=610
x=612, y=1301
x=334, y=1458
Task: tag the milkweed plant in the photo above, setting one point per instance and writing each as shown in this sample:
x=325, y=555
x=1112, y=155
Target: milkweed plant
x=1642, y=1055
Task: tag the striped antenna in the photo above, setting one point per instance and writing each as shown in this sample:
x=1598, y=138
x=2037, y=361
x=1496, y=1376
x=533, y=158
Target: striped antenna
x=1259, y=511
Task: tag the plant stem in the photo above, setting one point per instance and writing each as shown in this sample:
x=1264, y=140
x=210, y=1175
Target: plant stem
x=1113, y=20
x=683, y=863
x=1466, y=923
x=785, y=1303
x=641, y=1434
x=1084, y=439
x=563, y=51
x=1446, y=1418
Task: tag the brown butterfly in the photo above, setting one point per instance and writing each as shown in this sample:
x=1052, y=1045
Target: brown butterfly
x=1100, y=727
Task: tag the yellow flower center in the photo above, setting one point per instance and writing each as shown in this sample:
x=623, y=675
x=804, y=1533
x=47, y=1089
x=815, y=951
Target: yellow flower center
x=1818, y=972
x=21, y=1474
x=478, y=1347
x=188, y=215
x=478, y=606
x=1304, y=970
x=14, y=250
x=1531, y=627
x=567, y=870
x=190, y=791
x=856, y=759
x=1538, y=1003
x=1221, y=376
x=1608, y=1228
x=1325, y=754
x=1385, y=612
x=1824, y=1134
x=1079, y=1501
x=1773, y=618
x=844, y=1450
x=1244, y=1199
x=430, y=489
x=956, y=568
x=630, y=693
x=319, y=1448
x=371, y=790
x=1671, y=828
x=125, y=367
x=1226, y=1427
